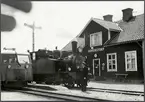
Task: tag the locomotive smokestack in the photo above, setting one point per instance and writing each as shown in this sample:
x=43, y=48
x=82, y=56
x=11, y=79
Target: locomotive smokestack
x=74, y=47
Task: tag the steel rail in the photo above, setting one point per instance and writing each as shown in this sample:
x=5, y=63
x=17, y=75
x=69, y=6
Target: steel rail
x=138, y=93
x=61, y=95
x=21, y=90
x=117, y=91
x=47, y=93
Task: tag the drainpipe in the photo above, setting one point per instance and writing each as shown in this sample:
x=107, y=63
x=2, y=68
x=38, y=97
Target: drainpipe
x=0, y=64
x=143, y=49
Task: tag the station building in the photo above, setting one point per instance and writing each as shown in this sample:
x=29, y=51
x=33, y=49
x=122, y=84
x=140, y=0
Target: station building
x=114, y=49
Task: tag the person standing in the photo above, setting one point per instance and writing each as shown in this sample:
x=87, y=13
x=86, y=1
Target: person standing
x=84, y=77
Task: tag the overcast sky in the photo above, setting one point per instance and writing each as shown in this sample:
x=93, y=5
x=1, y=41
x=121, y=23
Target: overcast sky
x=60, y=21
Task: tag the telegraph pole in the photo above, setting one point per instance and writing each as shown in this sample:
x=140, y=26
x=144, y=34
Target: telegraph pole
x=33, y=27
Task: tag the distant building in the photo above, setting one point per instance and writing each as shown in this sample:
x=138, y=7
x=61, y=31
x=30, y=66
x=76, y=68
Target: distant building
x=115, y=48
x=67, y=50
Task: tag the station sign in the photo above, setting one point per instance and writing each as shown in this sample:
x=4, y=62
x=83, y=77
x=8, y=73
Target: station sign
x=96, y=50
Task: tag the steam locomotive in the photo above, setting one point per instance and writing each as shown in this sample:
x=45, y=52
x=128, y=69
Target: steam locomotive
x=64, y=71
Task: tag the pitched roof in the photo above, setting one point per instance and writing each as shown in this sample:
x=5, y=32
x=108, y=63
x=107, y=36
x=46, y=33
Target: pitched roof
x=68, y=47
x=130, y=31
x=133, y=30
x=107, y=24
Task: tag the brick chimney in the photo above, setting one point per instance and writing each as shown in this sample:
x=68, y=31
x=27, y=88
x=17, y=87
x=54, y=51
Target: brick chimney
x=108, y=17
x=127, y=14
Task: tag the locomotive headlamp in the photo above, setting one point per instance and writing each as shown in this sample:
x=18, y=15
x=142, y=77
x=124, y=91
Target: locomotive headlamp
x=27, y=66
x=69, y=69
x=9, y=66
x=78, y=67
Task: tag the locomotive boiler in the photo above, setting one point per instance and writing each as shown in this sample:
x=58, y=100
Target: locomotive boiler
x=74, y=66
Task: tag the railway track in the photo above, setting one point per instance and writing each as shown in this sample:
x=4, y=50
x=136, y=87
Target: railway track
x=62, y=96
x=48, y=94
x=117, y=91
x=125, y=92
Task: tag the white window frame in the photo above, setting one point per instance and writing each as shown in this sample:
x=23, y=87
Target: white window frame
x=128, y=52
x=109, y=36
x=112, y=70
x=91, y=39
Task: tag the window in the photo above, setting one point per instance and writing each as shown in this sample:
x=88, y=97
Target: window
x=131, y=61
x=23, y=59
x=8, y=59
x=96, y=39
x=111, y=62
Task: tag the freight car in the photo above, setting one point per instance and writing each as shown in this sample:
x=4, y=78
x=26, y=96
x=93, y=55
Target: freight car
x=57, y=71
x=16, y=69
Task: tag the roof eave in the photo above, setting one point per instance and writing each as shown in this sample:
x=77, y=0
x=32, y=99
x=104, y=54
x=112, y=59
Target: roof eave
x=80, y=34
x=113, y=44
x=118, y=30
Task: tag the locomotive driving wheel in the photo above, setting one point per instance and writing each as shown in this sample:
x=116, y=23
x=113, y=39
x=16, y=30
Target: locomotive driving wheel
x=69, y=82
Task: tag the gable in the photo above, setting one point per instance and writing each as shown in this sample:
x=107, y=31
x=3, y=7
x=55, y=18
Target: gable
x=105, y=24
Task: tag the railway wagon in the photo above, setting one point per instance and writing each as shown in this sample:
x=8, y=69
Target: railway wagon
x=16, y=69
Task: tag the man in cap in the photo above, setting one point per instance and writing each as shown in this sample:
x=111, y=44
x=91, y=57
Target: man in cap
x=84, y=77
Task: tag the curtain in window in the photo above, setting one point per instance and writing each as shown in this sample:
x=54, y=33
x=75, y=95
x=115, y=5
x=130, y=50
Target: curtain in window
x=96, y=39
